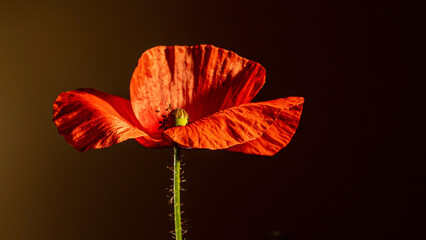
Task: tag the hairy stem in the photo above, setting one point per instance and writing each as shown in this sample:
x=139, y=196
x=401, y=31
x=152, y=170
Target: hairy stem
x=176, y=192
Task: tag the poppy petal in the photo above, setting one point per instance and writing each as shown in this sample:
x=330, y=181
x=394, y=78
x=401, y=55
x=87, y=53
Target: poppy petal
x=279, y=134
x=230, y=127
x=150, y=142
x=88, y=119
x=201, y=79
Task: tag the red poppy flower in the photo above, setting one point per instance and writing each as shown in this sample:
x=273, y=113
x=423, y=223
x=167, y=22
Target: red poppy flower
x=215, y=86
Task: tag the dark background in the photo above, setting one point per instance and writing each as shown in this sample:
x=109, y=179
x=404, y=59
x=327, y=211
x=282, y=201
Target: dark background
x=352, y=171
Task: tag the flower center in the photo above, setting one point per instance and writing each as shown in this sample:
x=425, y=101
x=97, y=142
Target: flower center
x=179, y=117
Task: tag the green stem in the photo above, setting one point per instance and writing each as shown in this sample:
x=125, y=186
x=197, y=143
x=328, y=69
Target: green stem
x=176, y=192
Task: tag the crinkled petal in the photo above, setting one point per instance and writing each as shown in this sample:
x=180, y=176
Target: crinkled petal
x=231, y=127
x=201, y=79
x=279, y=134
x=88, y=119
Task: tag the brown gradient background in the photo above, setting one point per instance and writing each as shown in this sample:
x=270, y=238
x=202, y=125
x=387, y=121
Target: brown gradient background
x=352, y=171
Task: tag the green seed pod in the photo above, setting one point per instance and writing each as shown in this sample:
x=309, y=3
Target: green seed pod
x=180, y=117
